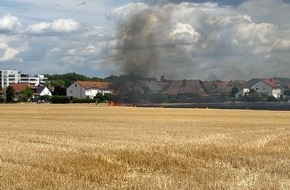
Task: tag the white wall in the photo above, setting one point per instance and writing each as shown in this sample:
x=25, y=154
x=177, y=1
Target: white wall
x=263, y=88
x=76, y=91
x=276, y=93
x=242, y=93
x=45, y=91
x=9, y=77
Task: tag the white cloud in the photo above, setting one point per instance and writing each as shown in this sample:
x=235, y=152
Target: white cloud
x=10, y=47
x=216, y=39
x=200, y=39
x=123, y=12
x=184, y=33
x=57, y=26
x=9, y=23
x=6, y=52
x=65, y=25
x=282, y=44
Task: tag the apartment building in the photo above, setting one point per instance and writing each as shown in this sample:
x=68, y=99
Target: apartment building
x=8, y=77
x=34, y=80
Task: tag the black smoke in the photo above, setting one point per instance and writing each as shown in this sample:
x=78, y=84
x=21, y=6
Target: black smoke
x=140, y=42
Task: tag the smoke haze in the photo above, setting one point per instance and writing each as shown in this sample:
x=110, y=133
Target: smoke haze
x=139, y=42
x=199, y=41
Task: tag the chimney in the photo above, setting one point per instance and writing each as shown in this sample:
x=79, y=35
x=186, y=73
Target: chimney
x=184, y=82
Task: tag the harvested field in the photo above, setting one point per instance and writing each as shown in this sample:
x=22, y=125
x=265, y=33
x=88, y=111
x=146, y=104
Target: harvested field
x=99, y=147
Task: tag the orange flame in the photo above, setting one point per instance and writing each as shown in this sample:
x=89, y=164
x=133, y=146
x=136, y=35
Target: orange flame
x=112, y=103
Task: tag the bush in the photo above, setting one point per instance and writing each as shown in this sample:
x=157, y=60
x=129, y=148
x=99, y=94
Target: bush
x=272, y=99
x=45, y=98
x=2, y=100
x=60, y=100
x=83, y=100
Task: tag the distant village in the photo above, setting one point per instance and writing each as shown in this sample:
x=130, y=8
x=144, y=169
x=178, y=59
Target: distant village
x=136, y=89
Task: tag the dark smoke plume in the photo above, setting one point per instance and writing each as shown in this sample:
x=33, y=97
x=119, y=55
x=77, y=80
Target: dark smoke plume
x=140, y=45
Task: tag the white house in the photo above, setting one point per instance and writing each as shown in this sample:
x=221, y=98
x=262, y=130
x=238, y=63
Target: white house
x=268, y=87
x=42, y=91
x=88, y=89
x=242, y=93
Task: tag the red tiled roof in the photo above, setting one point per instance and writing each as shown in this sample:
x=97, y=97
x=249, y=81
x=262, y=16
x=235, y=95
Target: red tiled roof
x=271, y=82
x=18, y=87
x=93, y=84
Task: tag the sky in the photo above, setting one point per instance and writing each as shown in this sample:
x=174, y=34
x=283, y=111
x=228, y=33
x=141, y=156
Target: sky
x=197, y=39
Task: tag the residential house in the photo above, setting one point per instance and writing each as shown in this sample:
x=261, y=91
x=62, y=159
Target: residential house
x=41, y=91
x=178, y=87
x=147, y=87
x=88, y=89
x=267, y=87
x=218, y=88
x=18, y=88
x=242, y=92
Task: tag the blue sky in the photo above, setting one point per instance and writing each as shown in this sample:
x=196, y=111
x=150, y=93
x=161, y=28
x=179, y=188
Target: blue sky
x=220, y=39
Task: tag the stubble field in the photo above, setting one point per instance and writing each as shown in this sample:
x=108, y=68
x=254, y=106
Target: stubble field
x=98, y=147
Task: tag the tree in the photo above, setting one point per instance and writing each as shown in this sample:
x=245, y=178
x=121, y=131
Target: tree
x=287, y=92
x=68, y=79
x=59, y=91
x=252, y=96
x=10, y=94
x=234, y=91
x=57, y=82
x=99, y=97
x=26, y=94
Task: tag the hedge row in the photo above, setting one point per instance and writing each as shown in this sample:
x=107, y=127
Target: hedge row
x=60, y=100
x=84, y=100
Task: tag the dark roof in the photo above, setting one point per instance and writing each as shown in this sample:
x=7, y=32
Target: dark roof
x=213, y=87
x=39, y=89
x=150, y=86
x=186, y=87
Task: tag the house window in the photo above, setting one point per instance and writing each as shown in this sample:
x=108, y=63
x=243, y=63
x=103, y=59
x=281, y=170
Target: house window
x=257, y=88
x=71, y=91
x=76, y=85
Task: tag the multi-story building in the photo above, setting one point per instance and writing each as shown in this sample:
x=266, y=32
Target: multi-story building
x=34, y=80
x=8, y=77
